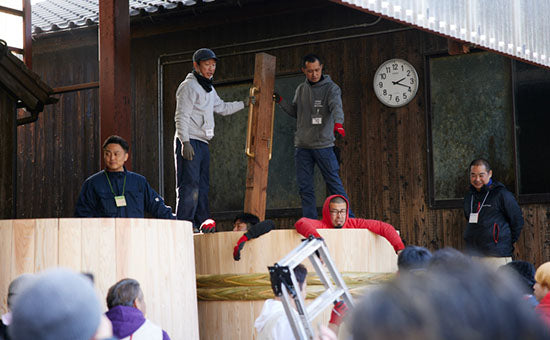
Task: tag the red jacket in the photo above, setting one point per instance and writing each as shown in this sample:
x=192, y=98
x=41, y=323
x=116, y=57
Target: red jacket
x=308, y=226
x=543, y=309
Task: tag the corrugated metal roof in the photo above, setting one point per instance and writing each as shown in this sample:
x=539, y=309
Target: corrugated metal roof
x=520, y=29
x=54, y=15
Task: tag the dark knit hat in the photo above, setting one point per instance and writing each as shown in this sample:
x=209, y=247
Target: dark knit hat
x=59, y=305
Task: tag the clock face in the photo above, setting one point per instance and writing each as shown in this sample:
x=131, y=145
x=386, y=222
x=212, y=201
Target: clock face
x=395, y=82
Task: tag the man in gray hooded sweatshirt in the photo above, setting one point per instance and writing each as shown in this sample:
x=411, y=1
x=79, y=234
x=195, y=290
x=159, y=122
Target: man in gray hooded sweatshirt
x=317, y=107
x=197, y=101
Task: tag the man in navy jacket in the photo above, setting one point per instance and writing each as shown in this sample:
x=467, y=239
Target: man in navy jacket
x=117, y=192
x=494, y=217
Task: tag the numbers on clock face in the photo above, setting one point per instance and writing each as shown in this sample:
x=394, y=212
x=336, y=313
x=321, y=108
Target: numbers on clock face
x=395, y=82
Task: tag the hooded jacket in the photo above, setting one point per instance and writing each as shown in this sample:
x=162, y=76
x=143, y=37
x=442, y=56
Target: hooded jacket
x=499, y=223
x=322, y=100
x=307, y=226
x=195, y=110
x=129, y=321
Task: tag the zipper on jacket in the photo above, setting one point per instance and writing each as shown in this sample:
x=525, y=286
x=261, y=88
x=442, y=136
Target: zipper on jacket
x=497, y=229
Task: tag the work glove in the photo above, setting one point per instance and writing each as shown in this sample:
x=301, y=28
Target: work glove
x=314, y=234
x=208, y=226
x=255, y=231
x=277, y=98
x=340, y=129
x=338, y=312
x=239, y=247
x=249, y=100
x=187, y=151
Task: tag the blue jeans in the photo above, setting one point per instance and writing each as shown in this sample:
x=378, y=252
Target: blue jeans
x=328, y=164
x=192, y=183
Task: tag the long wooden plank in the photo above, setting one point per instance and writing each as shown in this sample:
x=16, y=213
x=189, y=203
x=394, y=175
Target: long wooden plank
x=46, y=245
x=6, y=232
x=183, y=280
x=261, y=139
x=98, y=253
x=70, y=243
x=23, y=247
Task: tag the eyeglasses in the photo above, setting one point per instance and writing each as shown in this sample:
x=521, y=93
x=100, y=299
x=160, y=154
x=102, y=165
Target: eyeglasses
x=338, y=212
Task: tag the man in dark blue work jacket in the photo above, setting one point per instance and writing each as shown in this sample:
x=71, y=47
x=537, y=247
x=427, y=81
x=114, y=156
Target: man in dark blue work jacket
x=117, y=192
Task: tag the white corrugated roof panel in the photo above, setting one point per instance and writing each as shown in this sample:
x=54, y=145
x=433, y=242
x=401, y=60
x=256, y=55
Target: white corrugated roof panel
x=518, y=28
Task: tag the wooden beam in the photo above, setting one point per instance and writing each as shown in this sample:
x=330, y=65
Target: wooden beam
x=261, y=136
x=456, y=47
x=27, y=33
x=12, y=11
x=114, y=71
x=77, y=87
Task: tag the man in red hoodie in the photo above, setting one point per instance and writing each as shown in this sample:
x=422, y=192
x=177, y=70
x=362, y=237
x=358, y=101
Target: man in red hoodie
x=335, y=215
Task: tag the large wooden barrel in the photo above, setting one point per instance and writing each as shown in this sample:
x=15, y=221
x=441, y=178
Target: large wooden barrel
x=157, y=253
x=231, y=293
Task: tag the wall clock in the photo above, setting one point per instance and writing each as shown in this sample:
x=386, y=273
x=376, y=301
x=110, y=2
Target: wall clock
x=395, y=82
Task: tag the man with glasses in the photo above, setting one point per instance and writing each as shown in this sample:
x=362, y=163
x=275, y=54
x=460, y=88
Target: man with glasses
x=336, y=215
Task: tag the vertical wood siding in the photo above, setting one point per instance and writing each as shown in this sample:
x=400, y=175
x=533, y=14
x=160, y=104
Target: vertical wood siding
x=384, y=161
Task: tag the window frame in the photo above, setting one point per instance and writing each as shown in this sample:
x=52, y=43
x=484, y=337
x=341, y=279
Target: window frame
x=433, y=203
x=26, y=15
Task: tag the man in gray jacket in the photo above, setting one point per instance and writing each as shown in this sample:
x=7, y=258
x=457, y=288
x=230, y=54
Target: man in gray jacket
x=317, y=107
x=197, y=101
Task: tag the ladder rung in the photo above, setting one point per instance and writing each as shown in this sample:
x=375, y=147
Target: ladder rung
x=299, y=254
x=323, y=301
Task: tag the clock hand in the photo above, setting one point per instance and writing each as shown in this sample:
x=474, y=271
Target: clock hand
x=403, y=85
x=397, y=82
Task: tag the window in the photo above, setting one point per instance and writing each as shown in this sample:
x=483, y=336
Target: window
x=485, y=105
x=531, y=89
x=15, y=27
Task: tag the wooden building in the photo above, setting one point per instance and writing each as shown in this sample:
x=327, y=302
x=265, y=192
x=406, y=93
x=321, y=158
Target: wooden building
x=404, y=165
x=21, y=89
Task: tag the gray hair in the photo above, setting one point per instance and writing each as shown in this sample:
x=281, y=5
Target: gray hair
x=124, y=293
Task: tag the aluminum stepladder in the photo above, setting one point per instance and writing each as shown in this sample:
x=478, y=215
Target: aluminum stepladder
x=284, y=284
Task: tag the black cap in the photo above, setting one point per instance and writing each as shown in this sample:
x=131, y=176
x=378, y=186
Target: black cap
x=204, y=54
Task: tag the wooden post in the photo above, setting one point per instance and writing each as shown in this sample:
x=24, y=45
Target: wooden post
x=114, y=71
x=260, y=136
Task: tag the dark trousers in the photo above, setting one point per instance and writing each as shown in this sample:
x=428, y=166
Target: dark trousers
x=328, y=164
x=192, y=183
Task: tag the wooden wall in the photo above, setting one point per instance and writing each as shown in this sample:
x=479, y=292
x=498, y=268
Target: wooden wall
x=7, y=157
x=156, y=253
x=59, y=151
x=384, y=153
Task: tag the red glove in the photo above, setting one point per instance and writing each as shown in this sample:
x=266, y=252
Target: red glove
x=338, y=313
x=314, y=234
x=340, y=129
x=208, y=226
x=239, y=247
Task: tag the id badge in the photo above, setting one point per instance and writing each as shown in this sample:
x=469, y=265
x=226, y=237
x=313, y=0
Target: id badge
x=209, y=133
x=120, y=201
x=474, y=217
x=316, y=120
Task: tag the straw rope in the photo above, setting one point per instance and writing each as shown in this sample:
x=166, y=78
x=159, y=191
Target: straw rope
x=250, y=287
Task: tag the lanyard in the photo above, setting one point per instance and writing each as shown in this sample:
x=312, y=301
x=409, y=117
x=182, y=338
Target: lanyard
x=110, y=186
x=480, y=207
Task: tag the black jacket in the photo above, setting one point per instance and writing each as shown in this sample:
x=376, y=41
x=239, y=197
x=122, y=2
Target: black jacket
x=97, y=200
x=499, y=224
